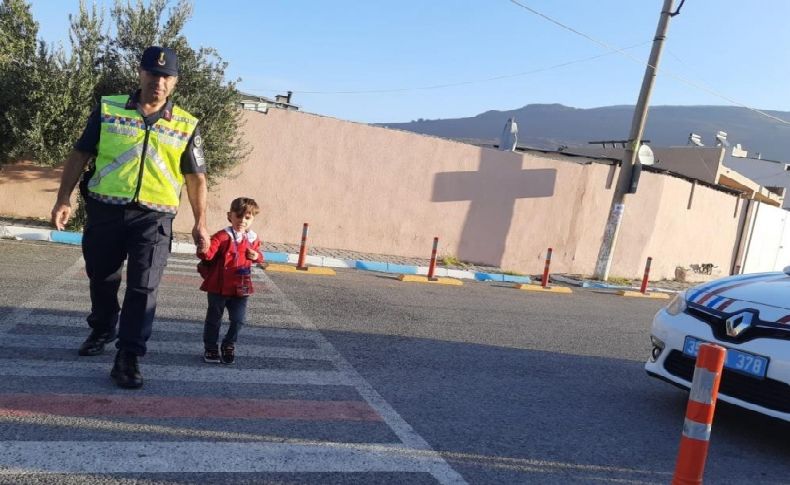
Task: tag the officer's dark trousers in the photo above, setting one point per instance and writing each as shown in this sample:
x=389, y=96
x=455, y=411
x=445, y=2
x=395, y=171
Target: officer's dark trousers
x=112, y=235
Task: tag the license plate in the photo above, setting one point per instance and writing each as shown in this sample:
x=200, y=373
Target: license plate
x=737, y=360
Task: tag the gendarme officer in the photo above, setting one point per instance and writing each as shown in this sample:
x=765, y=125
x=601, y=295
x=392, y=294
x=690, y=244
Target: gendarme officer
x=142, y=148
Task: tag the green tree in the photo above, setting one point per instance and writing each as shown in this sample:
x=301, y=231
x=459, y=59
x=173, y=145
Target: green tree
x=18, y=51
x=48, y=94
x=201, y=90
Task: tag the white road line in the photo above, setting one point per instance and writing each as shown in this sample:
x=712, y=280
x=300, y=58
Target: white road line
x=28, y=457
x=82, y=299
x=32, y=457
x=444, y=474
x=180, y=326
x=165, y=347
x=201, y=373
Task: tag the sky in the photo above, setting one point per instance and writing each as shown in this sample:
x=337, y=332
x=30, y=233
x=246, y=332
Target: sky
x=376, y=61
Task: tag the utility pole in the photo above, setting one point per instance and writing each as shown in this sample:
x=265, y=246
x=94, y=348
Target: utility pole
x=623, y=186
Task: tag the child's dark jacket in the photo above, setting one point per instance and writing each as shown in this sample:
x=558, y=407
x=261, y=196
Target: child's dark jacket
x=227, y=259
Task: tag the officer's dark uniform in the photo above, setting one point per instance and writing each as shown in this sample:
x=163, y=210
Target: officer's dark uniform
x=140, y=235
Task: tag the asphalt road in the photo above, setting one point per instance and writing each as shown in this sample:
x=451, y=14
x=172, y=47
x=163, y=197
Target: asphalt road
x=353, y=378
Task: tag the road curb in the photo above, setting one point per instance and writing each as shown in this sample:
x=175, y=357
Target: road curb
x=75, y=238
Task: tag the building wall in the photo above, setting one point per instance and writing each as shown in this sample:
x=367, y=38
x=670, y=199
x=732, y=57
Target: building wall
x=765, y=172
x=701, y=163
x=373, y=189
x=768, y=244
x=27, y=190
x=693, y=225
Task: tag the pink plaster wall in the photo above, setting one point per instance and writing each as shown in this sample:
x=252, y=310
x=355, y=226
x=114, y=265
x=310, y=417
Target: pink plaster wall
x=378, y=190
x=27, y=190
x=373, y=189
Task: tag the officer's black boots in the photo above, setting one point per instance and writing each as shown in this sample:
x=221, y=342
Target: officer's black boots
x=94, y=344
x=125, y=372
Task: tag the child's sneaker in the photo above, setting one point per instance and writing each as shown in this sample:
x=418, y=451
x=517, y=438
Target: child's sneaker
x=211, y=356
x=228, y=353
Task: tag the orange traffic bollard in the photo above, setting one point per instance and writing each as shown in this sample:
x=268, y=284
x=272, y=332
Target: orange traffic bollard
x=545, y=280
x=643, y=288
x=699, y=415
x=432, y=266
x=303, y=250
x=430, y=278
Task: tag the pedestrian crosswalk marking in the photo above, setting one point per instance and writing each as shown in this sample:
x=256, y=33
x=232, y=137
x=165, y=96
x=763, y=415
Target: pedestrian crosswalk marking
x=205, y=373
x=62, y=304
x=180, y=348
x=179, y=326
x=163, y=407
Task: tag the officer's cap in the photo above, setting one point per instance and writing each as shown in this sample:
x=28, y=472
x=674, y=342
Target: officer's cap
x=160, y=60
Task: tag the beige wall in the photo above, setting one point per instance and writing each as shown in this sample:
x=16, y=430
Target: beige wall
x=27, y=190
x=372, y=189
x=659, y=221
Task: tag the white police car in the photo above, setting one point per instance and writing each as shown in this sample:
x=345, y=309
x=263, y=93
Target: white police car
x=749, y=315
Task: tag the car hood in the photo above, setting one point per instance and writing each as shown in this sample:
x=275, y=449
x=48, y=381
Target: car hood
x=764, y=289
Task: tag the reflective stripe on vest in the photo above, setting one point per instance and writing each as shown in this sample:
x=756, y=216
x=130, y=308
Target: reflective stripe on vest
x=125, y=143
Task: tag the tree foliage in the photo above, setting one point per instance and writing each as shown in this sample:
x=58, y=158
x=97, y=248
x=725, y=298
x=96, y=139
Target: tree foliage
x=47, y=94
x=18, y=51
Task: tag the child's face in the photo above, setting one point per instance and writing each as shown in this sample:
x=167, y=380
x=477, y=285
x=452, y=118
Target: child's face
x=241, y=223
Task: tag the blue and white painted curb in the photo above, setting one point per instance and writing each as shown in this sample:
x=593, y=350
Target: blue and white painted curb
x=65, y=237
x=602, y=285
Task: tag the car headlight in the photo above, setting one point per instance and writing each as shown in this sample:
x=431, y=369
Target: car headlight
x=677, y=305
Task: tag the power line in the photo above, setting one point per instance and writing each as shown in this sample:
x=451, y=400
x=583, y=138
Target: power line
x=462, y=83
x=668, y=73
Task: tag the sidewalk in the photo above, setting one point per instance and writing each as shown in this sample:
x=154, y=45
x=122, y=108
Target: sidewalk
x=342, y=258
x=33, y=229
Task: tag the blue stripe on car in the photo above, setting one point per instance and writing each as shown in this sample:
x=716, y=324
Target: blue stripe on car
x=725, y=282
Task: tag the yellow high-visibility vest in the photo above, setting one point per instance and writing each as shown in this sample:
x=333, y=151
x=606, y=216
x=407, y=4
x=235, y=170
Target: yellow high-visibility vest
x=140, y=164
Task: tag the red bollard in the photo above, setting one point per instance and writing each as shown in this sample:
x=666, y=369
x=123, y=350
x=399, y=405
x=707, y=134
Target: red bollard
x=699, y=415
x=303, y=250
x=545, y=280
x=432, y=266
x=643, y=288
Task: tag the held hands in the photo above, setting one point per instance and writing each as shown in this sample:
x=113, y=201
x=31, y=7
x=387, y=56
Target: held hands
x=201, y=238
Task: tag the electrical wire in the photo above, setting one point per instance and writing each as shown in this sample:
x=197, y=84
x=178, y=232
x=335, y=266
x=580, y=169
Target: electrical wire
x=463, y=83
x=610, y=48
x=664, y=72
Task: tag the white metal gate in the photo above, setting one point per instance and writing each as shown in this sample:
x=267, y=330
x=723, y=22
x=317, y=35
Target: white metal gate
x=769, y=245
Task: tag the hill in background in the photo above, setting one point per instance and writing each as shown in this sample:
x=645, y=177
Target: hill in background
x=549, y=126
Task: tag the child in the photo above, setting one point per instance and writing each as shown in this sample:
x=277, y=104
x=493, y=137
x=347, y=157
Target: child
x=227, y=278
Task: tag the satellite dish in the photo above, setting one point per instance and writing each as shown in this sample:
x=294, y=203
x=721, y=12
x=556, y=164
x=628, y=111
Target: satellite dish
x=509, y=139
x=645, y=155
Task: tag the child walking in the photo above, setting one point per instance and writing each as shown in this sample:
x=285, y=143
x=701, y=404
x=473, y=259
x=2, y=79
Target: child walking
x=226, y=271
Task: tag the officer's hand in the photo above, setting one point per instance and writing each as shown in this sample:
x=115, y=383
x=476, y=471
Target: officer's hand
x=252, y=254
x=200, y=236
x=60, y=215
